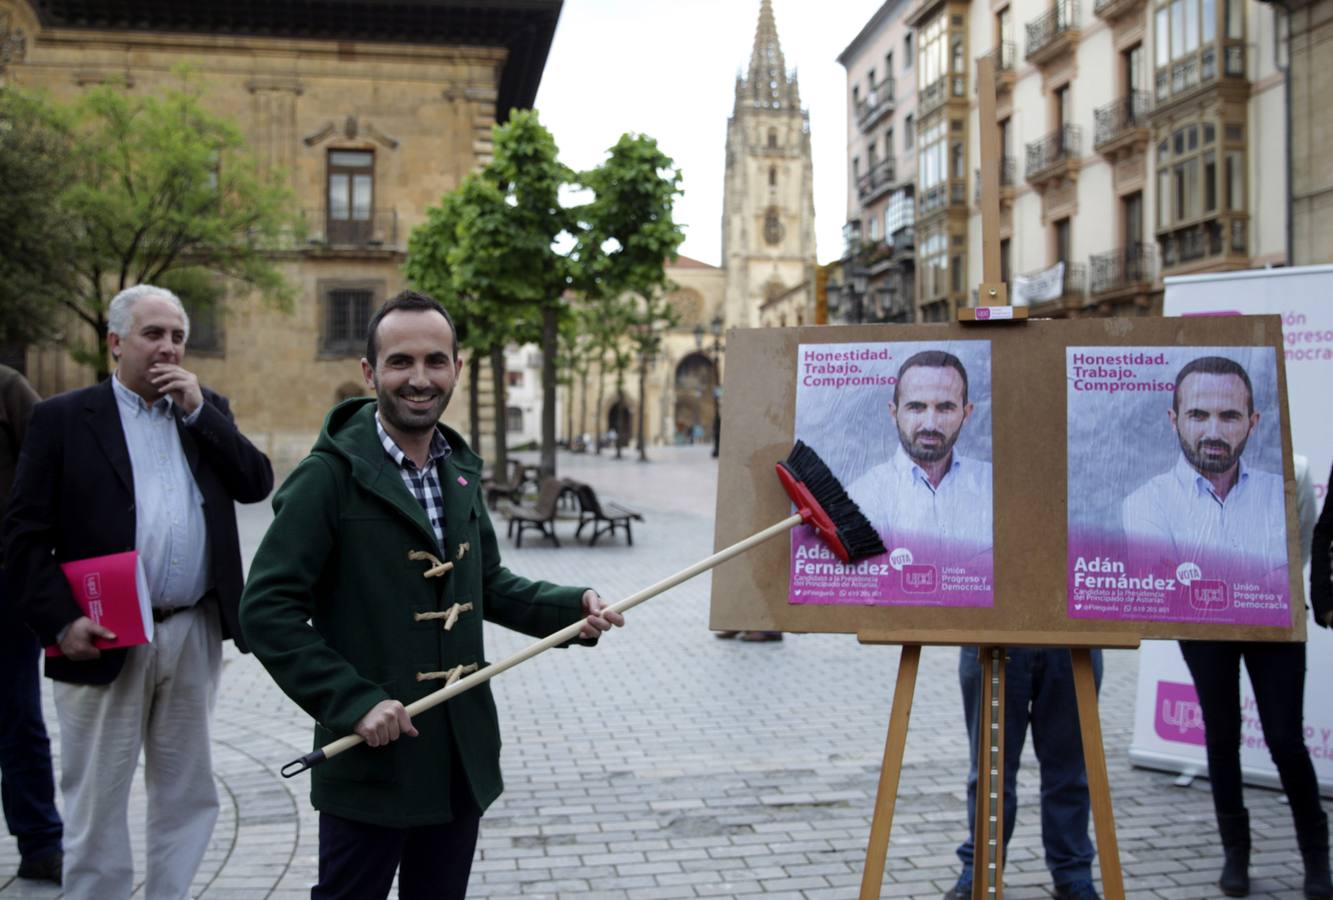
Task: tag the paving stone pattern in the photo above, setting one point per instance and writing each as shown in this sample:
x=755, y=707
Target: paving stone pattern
x=667, y=763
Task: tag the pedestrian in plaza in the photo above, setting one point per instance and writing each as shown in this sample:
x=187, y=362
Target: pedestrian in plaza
x=1038, y=695
x=26, y=782
x=1277, y=676
x=148, y=460
x=349, y=609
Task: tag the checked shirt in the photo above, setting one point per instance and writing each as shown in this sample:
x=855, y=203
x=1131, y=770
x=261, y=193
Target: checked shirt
x=424, y=484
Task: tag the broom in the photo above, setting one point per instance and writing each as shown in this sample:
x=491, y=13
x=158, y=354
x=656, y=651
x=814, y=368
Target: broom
x=820, y=503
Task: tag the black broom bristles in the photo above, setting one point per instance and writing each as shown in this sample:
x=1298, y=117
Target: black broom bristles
x=849, y=525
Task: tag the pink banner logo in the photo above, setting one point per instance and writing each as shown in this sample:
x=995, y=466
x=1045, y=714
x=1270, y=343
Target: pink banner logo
x=919, y=579
x=1178, y=715
x=1209, y=596
x=92, y=585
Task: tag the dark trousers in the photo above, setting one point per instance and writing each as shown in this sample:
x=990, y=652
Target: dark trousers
x=1038, y=695
x=357, y=860
x=26, y=784
x=1277, y=674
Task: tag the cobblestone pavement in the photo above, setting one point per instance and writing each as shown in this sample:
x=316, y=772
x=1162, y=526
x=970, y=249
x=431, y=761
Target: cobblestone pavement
x=667, y=763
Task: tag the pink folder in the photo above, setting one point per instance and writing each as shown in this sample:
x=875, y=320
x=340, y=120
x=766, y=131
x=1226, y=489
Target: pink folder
x=113, y=592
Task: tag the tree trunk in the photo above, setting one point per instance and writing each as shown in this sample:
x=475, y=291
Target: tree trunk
x=620, y=400
x=569, y=412
x=101, y=366
x=643, y=404
x=550, y=348
x=583, y=404
x=474, y=403
x=501, y=461
x=601, y=401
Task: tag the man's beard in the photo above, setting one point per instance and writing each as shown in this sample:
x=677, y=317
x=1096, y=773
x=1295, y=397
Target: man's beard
x=1212, y=465
x=926, y=453
x=397, y=413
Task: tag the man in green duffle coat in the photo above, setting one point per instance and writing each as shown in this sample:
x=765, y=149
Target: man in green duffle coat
x=347, y=608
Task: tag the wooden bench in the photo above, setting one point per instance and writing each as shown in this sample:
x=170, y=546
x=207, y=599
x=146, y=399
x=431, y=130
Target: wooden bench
x=540, y=516
x=605, y=518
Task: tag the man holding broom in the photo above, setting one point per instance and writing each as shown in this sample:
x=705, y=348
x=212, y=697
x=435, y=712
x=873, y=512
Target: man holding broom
x=369, y=591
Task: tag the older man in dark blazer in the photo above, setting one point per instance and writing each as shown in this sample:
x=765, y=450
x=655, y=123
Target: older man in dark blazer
x=148, y=461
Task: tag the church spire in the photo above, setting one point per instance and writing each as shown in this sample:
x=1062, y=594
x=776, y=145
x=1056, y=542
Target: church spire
x=768, y=84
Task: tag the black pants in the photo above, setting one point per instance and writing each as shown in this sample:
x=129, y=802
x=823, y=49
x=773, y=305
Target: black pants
x=357, y=860
x=1277, y=674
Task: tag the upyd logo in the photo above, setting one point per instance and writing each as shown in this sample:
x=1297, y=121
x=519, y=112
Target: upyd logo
x=1178, y=716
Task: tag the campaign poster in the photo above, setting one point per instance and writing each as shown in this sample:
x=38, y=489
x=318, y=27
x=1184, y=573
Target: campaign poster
x=1176, y=498
x=905, y=427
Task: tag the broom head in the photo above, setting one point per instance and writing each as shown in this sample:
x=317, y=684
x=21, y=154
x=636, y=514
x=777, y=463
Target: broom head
x=825, y=506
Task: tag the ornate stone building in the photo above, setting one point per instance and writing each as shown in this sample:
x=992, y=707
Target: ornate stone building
x=768, y=207
x=373, y=110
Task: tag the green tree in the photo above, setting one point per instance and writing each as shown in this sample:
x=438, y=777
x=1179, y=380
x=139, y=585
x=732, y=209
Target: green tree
x=534, y=275
x=628, y=234
x=156, y=184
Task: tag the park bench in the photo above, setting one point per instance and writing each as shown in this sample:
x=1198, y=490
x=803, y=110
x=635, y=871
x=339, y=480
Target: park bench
x=605, y=518
x=540, y=516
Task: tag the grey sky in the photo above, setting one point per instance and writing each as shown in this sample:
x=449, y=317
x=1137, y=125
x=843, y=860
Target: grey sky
x=668, y=70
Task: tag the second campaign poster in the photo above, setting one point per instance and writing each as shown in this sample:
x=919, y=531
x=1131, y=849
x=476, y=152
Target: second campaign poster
x=905, y=426
x=1176, y=497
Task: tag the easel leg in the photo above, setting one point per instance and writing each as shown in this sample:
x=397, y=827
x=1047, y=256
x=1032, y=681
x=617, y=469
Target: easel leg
x=890, y=770
x=988, y=829
x=1099, y=786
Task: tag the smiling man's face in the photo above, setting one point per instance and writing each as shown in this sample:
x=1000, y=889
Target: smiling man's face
x=414, y=371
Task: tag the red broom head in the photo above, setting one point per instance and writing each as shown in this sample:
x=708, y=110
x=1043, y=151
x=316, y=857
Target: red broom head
x=825, y=506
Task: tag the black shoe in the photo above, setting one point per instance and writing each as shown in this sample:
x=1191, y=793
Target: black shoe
x=43, y=868
x=1076, y=890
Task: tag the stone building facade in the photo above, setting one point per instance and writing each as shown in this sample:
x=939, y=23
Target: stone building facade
x=373, y=113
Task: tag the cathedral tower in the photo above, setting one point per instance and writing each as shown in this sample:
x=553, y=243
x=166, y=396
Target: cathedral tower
x=768, y=206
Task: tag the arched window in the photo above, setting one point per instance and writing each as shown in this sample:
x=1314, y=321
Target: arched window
x=772, y=176
x=772, y=138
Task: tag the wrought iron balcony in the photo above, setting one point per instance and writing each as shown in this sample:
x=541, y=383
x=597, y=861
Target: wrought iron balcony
x=372, y=229
x=1111, y=10
x=1073, y=287
x=874, y=183
x=1122, y=269
x=1227, y=235
x=1121, y=119
x=1198, y=71
x=1006, y=180
x=932, y=96
x=1050, y=32
x=877, y=104
x=904, y=241
x=1050, y=157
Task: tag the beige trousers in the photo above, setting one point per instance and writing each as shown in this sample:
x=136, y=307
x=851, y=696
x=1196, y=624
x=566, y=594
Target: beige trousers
x=160, y=703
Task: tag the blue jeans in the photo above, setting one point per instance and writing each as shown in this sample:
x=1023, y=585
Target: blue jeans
x=26, y=784
x=1038, y=693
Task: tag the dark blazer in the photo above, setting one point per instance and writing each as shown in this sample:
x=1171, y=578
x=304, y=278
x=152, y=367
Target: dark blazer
x=73, y=498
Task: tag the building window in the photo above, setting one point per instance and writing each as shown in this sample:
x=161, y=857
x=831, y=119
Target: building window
x=909, y=131
x=351, y=193
x=907, y=51
x=934, y=249
x=888, y=64
x=772, y=138
x=888, y=142
x=934, y=53
x=1131, y=213
x=347, y=311
x=932, y=162
x=1188, y=44
x=514, y=379
x=1062, y=240
x=870, y=77
x=772, y=176
x=205, y=330
x=513, y=419
x=1189, y=176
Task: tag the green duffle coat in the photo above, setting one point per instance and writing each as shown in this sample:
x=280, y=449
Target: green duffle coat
x=329, y=610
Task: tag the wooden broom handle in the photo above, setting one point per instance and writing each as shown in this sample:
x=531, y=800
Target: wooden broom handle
x=568, y=633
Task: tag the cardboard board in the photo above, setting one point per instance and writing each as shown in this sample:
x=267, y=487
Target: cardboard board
x=1017, y=436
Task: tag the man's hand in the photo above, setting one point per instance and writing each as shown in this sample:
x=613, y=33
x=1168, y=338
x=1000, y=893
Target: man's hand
x=385, y=722
x=77, y=644
x=599, y=616
x=181, y=384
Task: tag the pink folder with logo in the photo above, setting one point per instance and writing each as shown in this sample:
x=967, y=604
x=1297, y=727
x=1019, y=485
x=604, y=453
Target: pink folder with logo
x=113, y=592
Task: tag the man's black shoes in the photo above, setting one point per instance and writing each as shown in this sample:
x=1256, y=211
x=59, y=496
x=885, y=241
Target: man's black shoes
x=43, y=868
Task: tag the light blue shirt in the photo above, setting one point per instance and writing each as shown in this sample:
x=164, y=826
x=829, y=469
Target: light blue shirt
x=898, y=499
x=169, y=529
x=1180, y=509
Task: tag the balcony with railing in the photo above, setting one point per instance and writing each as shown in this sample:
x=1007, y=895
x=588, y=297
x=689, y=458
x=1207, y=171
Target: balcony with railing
x=365, y=230
x=878, y=181
x=1220, y=243
x=877, y=104
x=1073, y=289
x=1131, y=269
x=1054, y=157
x=1003, y=58
x=932, y=97
x=1007, y=180
x=1194, y=74
x=1123, y=124
x=1052, y=34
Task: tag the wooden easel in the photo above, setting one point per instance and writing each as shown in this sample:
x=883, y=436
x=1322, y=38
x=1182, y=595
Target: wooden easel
x=988, y=828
